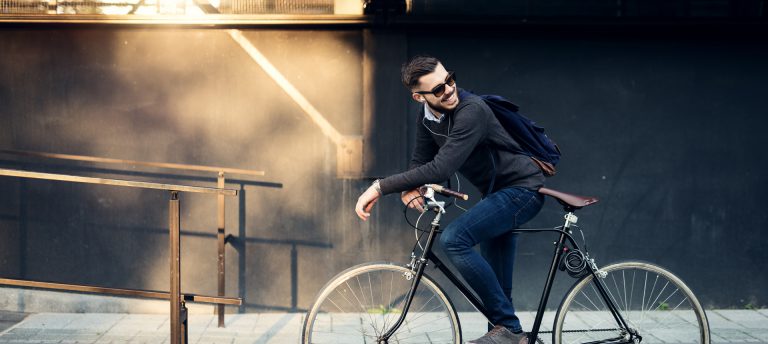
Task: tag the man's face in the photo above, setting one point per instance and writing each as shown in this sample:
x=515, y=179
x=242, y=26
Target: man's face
x=449, y=99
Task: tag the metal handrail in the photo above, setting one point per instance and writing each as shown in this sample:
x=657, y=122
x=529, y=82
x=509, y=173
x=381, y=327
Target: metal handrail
x=220, y=171
x=192, y=21
x=187, y=167
x=120, y=291
x=179, y=329
x=115, y=182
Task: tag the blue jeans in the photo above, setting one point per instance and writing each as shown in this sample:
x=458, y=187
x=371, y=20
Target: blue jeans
x=492, y=218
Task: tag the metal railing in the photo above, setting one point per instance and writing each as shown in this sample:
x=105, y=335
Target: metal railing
x=221, y=173
x=165, y=7
x=179, y=329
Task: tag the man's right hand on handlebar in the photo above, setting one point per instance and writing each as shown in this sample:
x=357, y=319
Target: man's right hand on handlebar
x=408, y=199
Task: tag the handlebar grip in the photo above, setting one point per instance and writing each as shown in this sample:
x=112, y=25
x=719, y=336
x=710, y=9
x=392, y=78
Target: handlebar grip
x=448, y=192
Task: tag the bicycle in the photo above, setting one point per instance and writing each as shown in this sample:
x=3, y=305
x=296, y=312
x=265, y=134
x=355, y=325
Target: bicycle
x=627, y=302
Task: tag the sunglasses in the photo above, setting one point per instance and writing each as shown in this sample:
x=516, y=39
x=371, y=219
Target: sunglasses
x=439, y=90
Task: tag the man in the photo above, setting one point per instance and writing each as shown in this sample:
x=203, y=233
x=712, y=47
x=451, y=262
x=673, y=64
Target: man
x=464, y=135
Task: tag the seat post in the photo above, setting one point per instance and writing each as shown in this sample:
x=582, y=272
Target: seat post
x=570, y=218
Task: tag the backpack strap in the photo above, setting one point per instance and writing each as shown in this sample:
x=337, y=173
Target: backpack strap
x=463, y=94
x=493, y=176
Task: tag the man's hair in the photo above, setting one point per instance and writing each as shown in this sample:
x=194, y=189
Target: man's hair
x=417, y=67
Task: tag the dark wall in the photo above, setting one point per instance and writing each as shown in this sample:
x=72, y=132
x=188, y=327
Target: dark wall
x=662, y=129
x=665, y=129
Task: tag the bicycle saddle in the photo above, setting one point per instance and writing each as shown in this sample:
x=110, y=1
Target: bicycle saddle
x=570, y=202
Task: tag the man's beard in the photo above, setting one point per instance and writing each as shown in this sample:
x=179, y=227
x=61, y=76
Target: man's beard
x=438, y=107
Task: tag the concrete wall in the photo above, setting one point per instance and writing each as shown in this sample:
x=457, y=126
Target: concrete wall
x=664, y=129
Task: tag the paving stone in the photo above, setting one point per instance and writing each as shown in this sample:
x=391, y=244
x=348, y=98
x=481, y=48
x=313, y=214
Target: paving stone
x=745, y=318
x=215, y=340
x=736, y=336
x=728, y=326
x=47, y=320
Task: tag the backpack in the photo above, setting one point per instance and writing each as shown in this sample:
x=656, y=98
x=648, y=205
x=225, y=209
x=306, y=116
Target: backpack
x=531, y=137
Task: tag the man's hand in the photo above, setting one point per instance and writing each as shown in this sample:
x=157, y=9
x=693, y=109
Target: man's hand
x=365, y=202
x=408, y=196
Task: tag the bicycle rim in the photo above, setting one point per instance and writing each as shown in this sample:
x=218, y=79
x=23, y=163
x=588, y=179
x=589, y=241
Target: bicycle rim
x=654, y=302
x=362, y=303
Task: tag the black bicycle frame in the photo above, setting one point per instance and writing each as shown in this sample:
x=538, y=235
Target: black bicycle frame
x=564, y=235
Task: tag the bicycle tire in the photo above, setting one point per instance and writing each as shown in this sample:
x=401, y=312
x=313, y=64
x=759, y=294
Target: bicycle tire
x=362, y=302
x=666, y=311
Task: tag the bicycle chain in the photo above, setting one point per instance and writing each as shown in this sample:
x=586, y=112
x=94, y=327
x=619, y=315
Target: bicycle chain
x=539, y=341
x=592, y=330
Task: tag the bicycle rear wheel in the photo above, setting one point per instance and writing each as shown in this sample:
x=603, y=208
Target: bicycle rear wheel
x=363, y=302
x=654, y=302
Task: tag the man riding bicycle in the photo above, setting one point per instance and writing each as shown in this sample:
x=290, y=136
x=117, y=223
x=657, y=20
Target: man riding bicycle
x=463, y=135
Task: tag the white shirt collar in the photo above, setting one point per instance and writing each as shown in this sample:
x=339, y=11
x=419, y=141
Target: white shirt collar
x=430, y=116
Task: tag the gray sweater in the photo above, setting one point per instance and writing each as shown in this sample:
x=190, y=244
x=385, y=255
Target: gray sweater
x=475, y=143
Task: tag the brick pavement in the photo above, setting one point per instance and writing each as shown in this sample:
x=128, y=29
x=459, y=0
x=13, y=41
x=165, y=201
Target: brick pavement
x=728, y=326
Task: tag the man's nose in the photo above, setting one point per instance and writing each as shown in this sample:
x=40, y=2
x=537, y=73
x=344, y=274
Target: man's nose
x=447, y=92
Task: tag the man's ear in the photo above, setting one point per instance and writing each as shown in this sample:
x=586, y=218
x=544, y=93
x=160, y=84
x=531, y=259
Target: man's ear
x=418, y=97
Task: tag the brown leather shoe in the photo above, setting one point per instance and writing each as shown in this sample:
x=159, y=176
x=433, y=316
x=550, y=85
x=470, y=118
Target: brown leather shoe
x=501, y=335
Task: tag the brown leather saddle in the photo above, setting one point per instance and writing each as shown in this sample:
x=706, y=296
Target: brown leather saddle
x=569, y=202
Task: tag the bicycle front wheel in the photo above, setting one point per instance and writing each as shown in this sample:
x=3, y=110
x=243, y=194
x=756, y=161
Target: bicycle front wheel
x=362, y=303
x=655, y=304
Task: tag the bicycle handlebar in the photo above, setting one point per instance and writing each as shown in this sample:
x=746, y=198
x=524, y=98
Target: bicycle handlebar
x=448, y=192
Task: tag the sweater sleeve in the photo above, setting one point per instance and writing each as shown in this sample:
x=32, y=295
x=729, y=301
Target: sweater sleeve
x=470, y=128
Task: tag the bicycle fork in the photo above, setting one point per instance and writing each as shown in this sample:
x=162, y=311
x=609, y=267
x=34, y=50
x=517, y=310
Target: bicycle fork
x=419, y=265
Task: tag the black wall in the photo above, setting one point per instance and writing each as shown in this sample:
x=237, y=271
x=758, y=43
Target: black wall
x=664, y=126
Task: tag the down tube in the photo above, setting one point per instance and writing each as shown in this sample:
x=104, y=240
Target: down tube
x=459, y=284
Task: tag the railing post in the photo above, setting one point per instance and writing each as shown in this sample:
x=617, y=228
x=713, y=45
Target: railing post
x=183, y=323
x=221, y=241
x=177, y=306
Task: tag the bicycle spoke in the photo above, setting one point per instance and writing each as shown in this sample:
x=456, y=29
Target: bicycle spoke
x=393, y=304
x=334, y=303
x=645, y=285
x=613, y=278
x=632, y=292
x=624, y=279
x=362, y=305
x=373, y=303
x=412, y=321
x=650, y=294
x=597, y=293
x=590, y=301
x=345, y=297
x=663, y=302
x=667, y=311
x=670, y=312
x=613, y=298
x=351, y=291
x=367, y=307
x=337, y=316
